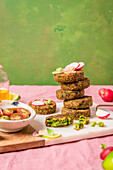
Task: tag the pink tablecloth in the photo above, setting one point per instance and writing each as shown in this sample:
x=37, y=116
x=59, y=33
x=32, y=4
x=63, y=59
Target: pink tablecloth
x=80, y=155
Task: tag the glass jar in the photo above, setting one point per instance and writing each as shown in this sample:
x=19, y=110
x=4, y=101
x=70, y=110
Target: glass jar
x=4, y=85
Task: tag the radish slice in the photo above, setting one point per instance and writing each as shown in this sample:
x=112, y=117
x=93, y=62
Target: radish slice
x=80, y=66
x=44, y=134
x=74, y=66
x=71, y=66
x=102, y=114
x=39, y=133
x=38, y=103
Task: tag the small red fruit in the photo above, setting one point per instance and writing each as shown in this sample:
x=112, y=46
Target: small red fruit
x=106, y=151
x=101, y=91
x=106, y=94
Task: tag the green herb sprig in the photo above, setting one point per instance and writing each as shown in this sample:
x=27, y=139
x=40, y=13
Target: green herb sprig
x=50, y=131
x=57, y=71
x=48, y=102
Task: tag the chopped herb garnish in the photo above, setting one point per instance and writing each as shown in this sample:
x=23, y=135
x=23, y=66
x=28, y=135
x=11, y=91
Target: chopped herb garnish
x=51, y=106
x=103, y=146
x=48, y=102
x=50, y=131
x=59, y=69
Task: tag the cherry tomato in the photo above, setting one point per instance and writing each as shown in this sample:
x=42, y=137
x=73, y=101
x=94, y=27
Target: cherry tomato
x=7, y=112
x=23, y=111
x=17, y=116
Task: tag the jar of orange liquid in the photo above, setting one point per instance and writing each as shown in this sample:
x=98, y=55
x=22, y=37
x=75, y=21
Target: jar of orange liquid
x=4, y=85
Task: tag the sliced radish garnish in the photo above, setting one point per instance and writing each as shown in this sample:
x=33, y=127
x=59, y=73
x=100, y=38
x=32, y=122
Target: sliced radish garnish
x=80, y=66
x=38, y=103
x=71, y=66
x=39, y=133
x=102, y=114
x=44, y=134
x=74, y=66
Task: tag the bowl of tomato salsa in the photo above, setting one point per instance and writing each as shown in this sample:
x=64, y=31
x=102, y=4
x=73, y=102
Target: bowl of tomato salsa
x=14, y=115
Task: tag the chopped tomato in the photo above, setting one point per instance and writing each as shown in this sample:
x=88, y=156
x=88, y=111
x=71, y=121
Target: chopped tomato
x=7, y=112
x=17, y=116
x=22, y=110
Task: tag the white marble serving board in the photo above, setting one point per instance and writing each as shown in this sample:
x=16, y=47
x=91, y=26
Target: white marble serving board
x=69, y=133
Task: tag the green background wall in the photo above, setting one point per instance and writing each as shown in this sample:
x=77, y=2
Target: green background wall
x=37, y=36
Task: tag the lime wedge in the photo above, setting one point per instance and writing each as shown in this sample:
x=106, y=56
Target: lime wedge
x=52, y=136
x=44, y=134
x=13, y=96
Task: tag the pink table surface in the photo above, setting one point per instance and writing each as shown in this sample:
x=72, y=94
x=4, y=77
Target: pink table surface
x=80, y=155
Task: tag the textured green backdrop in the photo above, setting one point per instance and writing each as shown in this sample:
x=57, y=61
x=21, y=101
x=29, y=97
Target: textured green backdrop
x=37, y=36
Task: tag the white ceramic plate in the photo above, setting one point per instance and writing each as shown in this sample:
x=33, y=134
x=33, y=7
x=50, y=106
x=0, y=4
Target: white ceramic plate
x=14, y=126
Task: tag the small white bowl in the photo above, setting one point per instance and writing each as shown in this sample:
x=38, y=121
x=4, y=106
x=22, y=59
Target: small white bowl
x=15, y=125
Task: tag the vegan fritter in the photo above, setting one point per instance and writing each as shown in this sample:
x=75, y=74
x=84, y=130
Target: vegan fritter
x=76, y=113
x=81, y=84
x=84, y=102
x=59, y=120
x=68, y=95
x=69, y=77
x=47, y=108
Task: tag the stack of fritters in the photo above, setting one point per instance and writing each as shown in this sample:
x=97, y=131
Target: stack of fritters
x=72, y=92
x=75, y=102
